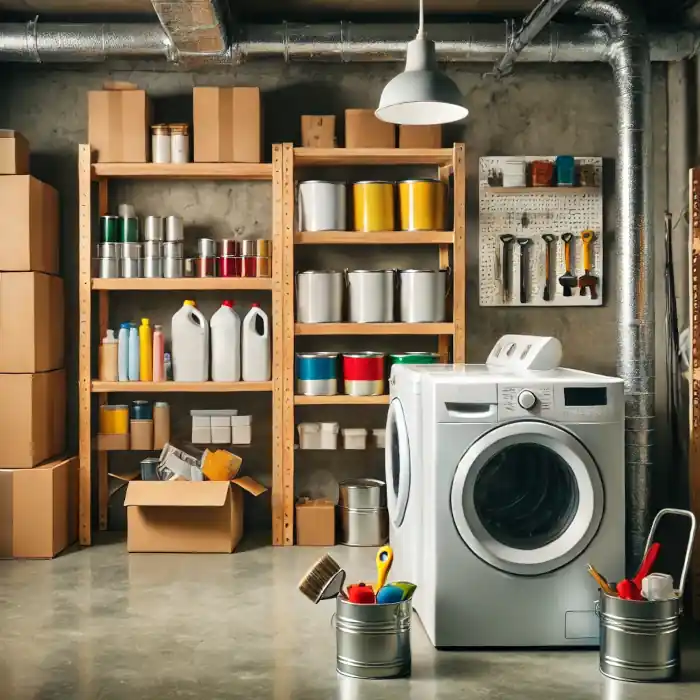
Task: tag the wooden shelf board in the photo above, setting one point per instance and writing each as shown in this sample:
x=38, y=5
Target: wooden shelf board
x=373, y=328
x=184, y=171
x=341, y=399
x=172, y=387
x=543, y=190
x=372, y=156
x=183, y=283
x=375, y=238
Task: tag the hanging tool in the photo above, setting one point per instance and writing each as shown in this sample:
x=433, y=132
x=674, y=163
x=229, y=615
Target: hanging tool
x=549, y=254
x=506, y=264
x=587, y=280
x=568, y=280
x=385, y=557
x=524, y=259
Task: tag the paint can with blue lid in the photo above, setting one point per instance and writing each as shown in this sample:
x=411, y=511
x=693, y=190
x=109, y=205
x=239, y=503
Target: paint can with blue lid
x=317, y=373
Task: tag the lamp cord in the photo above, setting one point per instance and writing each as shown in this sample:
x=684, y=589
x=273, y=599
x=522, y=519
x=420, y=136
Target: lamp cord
x=420, y=19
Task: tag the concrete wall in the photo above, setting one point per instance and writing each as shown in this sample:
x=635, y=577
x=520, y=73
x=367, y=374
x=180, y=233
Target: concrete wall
x=540, y=110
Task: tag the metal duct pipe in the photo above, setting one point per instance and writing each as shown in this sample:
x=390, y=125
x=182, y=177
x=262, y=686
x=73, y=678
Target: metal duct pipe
x=197, y=28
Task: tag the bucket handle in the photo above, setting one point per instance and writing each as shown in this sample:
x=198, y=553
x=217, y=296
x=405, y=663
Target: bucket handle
x=689, y=548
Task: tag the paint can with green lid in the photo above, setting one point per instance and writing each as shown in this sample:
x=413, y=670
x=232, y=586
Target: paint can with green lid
x=413, y=358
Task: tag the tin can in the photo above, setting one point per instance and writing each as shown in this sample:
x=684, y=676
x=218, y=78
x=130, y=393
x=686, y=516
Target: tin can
x=141, y=410
x=160, y=143
x=153, y=228
x=373, y=206
x=263, y=248
x=152, y=267
x=322, y=206
x=422, y=205
x=153, y=249
x=541, y=173
x=565, y=168
x=109, y=229
x=205, y=267
x=173, y=268
x=263, y=267
x=149, y=469
x=129, y=230
x=229, y=248
x=130, y=250
x=174, y=230
x=317, y=373
x=363, y=373
x=229, y=266
x=114, y=420
x=126, y=211
x=108, y=268
x=206, y=247
x=362, y=511
x=173, y=249
x=371, y=296
x=413, y=358
x=249, y=249
x=319, y=295
x=109, y=250
x=190, y=267
x=179, y=143
x=249, y=267
x=423, y=296
x=130, y=268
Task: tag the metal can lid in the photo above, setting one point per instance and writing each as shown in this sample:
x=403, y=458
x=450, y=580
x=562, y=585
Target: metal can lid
x=365, y=354
x=315, y=355
x=374, y=182
x=421, y=179
x=161, y=404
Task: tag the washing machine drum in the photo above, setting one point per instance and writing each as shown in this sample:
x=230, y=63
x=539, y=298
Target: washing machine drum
x=527, y=497
x=397, y=462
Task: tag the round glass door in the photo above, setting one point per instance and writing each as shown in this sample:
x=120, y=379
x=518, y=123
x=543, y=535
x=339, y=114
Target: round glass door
x=527, y=497
x=397, y=463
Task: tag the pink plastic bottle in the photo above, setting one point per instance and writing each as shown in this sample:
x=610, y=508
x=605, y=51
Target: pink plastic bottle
x=158, y=354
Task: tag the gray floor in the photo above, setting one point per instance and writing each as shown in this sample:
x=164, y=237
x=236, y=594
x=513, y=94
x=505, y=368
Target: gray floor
x=99, y=623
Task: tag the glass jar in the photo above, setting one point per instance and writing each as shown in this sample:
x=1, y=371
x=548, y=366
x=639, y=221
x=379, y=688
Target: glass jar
x=179, y=143
x=160, y=143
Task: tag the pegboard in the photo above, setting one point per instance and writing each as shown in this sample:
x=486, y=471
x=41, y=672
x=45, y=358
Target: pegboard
x=529, y=214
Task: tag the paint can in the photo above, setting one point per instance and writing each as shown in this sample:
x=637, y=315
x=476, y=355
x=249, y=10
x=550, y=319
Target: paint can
x=206, y=248
x=319, y=296
x=373, y=206
x=173, y=268
x=205, y=267
x=109, y=250
x=174, y=230
x=108, y=268
x=363, y=516
x=229, y=248
x=413, y=358
x=152, y=249
x=422, y=205
x=173, y=249
x=126, y=211
x=190, y=267
x=149, y=469
x=364, y=373
x=130, y=268
x=109, y=229
x=152, y=267
x=130, y=250
x=423, y=295
x=322, y=206
x=141, y=410
x=371, y=296
x=229, y=266
x=263, y=268
x=249, y=266
x=317, y=373
x=153, y=228
x=263, y=248
x=129, y=230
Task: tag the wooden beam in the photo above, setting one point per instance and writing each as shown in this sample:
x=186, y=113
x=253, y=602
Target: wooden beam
x=459, y=255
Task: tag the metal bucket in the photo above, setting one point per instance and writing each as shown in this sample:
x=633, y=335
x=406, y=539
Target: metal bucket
x=422, y=205
x=373, y=641
x=423, y=296
x=319, y=296
x=639, y=640
x=373, y=206
x=371, y=296
x=322, y=206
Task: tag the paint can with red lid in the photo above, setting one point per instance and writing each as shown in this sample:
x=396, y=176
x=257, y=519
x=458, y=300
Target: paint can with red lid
x=364, y=373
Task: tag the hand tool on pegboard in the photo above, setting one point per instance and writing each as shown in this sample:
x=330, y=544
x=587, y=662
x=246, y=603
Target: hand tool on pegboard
x=568, y=280
x=506, y=264
x=524, y=260
x=587, y=280
x=549, y=255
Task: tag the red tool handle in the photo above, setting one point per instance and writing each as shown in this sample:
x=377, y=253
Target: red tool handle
x=361, y=593
x=647, y=563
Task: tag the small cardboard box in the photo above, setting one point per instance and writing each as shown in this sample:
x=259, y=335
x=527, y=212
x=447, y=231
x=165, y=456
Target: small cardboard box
x=119, y=123
x=318, y=132
x=315, y=522
x=186, y=516
x=29, y=238
x=32, y=418
x=364, y=130
x=31, y=322
x=14, y=153
x=141, y=434
x=420, y=136
x=38, y=509
x=227, y=125
x=108, y=442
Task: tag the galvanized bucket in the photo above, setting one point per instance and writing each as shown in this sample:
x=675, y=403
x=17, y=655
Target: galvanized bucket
x=639, y=640
x=373, y=641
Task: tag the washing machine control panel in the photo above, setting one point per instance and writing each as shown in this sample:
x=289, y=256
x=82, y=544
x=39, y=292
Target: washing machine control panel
x=556, y=402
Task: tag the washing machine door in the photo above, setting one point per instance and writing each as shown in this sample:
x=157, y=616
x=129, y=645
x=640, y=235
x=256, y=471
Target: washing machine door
x=397, y=462
x=527, y=497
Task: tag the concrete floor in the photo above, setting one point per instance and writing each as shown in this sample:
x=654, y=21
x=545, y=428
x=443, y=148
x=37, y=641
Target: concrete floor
x=99, y=623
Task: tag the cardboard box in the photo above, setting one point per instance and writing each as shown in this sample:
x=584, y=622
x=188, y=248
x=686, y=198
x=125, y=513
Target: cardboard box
x=315, y=522
x=32, y=418
x=364, y=130
x=227, y=125
x=119, y=124
x=109, y=442
x=420, y=136
x=186, y=516
x=29, y=238
x=141, y=434
x=318, y=132
x=14, y=153
x=38, y=509
x=31, y=322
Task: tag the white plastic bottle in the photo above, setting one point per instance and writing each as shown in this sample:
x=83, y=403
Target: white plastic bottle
x=255, y=346
x=134, y=353
x=123, y=352
x=226, y=344
x=190, y=344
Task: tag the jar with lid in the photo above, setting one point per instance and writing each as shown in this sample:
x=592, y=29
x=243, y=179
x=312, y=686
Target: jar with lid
x=179, y=143
x=160, y=143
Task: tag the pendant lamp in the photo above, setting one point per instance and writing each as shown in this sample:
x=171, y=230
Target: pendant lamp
x=422, y=94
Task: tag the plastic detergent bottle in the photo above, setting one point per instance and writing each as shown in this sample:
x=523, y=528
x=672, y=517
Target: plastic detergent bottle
x=190, y=344
x=255, y=346
x=226, y=344
x=108, y=358
x=158, y=354
x=134, y=365
x=123, y=352
x=146, y=350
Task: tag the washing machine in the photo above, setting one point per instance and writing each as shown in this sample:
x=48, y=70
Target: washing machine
x=523, y=484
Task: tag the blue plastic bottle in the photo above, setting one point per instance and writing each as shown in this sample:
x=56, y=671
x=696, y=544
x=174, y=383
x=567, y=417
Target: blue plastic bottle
x=134, y=353
x=123, y=352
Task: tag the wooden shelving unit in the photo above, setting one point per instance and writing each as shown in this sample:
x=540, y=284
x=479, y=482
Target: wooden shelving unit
x=96, y=176
x=451, y=253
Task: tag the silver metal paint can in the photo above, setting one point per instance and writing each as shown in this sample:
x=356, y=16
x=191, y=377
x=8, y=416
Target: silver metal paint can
x=108, y=268
x=131, y=268
x=174, y=230
x=371, y=296
x=362, y=513
x=130, y=250
x=173, y=249
x=206, y=248
x=108, y=250
x=153, y=228
x=153, y=249
x=153, y=267
x=319, y=296
x=173, y=268
x=423, y=295
x=322, y=206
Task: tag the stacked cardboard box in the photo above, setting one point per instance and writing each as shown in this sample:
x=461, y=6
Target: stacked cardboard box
x=32, y=378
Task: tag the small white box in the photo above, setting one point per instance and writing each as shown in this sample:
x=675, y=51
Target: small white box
x=241, y=435
x=221, y=435
x=201, y=422
x=354, y=438
x=379, y=437
x=201, y=435
x=328, y=436
x=514, y=173
x=221, y=422
x=309, y=436
x=237, y=421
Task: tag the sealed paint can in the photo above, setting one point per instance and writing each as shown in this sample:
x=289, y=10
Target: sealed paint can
x=363, y=373
x=174, y=230
x=422, y=205
x=263, y=248
x=423, y=295
x=362, y=513
x=173, y=249
x=373, y=206
x=149, y=469
x=109, y=229
x=319, y=296
x=130, y=250
x=263, y=268
x=126, y=211
x=249, y=267
x=371, y=296
x=322, y=206
x=229, y=266
x=249, y=249
x=190, y=267
x=229, y=248
x=109, y=250
x=317, y=373
x=152, y=249
x=413, y=358
x=141, y=410
x=152, y=267
x=130, y=268
x=129, y=230
x=153, y=228
x=206, y=247
x=173, y=268
x=205, y=267
x=108, y=268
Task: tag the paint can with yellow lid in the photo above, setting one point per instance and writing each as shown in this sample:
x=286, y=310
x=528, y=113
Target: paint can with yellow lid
x=373, y=204
x=422, y=205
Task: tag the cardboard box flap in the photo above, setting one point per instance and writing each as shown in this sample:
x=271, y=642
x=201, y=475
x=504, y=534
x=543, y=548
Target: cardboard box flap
x=177, y=493
x=249, y=485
